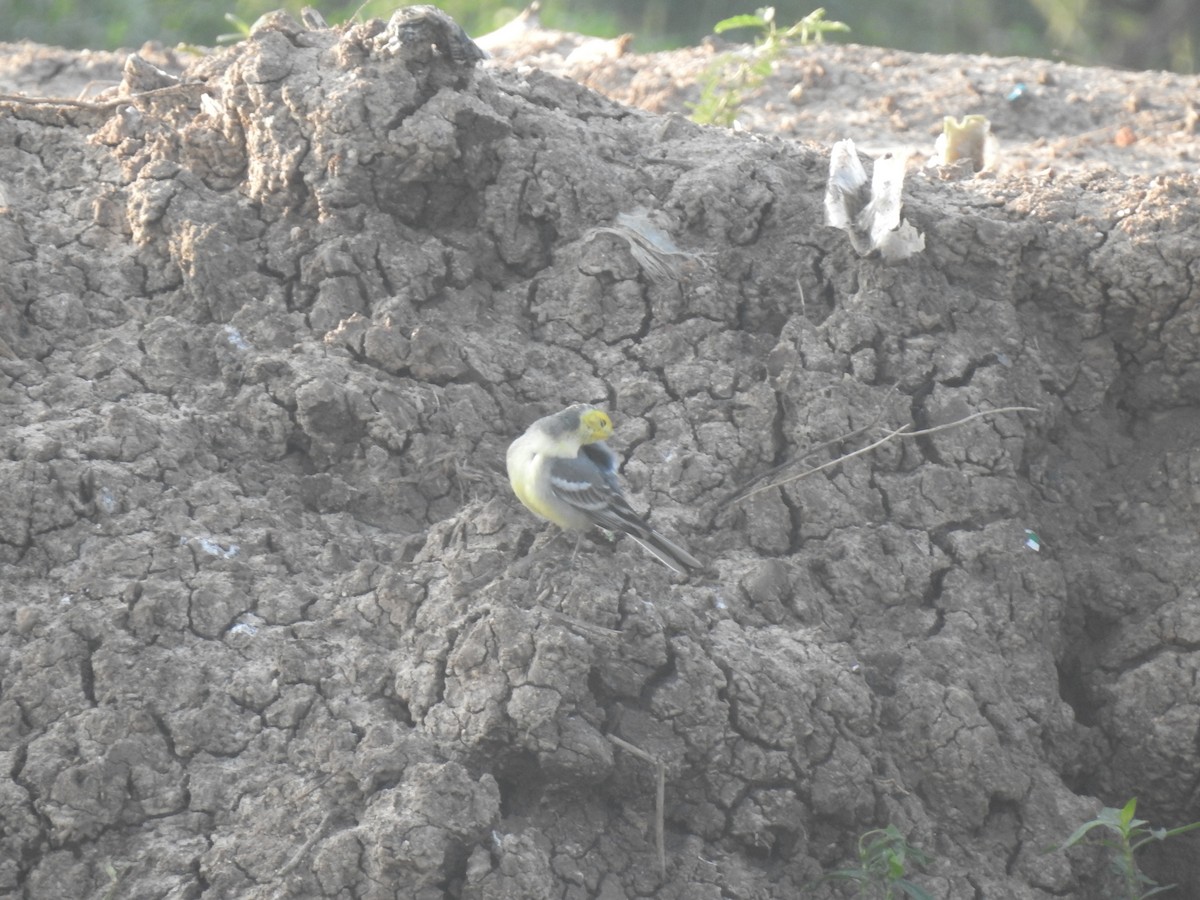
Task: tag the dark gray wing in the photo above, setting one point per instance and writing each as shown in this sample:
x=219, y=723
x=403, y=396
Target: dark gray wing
x=589, y=483
x=583, y=484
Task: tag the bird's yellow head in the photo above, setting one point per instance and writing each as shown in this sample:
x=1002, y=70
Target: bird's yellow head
x=595, y=425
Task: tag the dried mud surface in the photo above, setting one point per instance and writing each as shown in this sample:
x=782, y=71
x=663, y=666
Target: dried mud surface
x=273, y=625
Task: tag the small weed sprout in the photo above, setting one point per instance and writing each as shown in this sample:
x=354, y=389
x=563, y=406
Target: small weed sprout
x=1129, y=835
x=242, y=32
x=726, y=81
x=884, y=857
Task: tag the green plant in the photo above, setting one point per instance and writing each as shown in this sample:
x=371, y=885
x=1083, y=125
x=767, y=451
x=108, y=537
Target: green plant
x=243, y=30
x=724, y=83
x=884, y=857
x=115, y=879
x=1131, y=835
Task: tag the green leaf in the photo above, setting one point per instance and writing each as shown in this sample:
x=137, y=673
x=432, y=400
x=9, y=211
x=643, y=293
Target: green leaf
x=1078, y=834
x=847, y=875
x=1158, y=890
x=743, y=21
x=913, y=891
x=1127, y=812
x=1120, y=820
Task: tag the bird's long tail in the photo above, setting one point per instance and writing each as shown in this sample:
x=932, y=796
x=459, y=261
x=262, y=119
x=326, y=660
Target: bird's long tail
x=612, y=511
x=664, y=549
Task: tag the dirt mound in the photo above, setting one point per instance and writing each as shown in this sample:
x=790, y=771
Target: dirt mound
x=274, y=626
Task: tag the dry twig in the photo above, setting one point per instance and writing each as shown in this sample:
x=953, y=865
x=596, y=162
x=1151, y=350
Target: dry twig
x=902, y=432
x=660, y=795
x=101, y=106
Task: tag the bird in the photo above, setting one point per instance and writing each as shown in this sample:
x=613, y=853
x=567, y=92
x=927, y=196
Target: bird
x=562, y=470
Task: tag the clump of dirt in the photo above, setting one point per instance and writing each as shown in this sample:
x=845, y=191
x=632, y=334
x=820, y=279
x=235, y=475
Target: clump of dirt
x=273, y=625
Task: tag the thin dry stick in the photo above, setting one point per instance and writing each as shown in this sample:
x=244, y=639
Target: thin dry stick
x=298, y=856
x=902, y=431
x=320, y=784
x=660, y=795
x=965, y=419
x=582, y=628
x=99, y=106
x=745, y=490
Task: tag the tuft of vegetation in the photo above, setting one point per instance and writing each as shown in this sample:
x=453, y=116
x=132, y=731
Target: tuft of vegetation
x=733, y=75
x=242, y=32
x=1125, y=836
x=884, y=858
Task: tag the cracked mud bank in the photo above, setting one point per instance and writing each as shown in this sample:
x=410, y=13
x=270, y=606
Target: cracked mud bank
x=274, y=626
